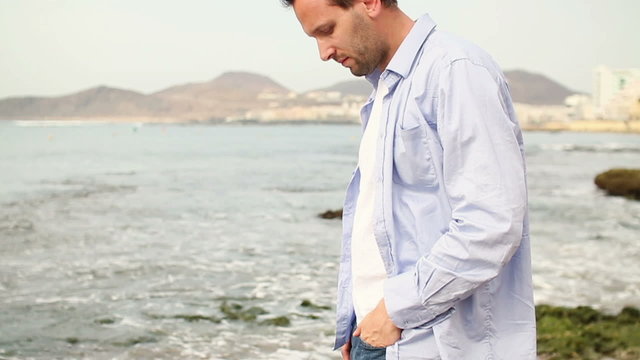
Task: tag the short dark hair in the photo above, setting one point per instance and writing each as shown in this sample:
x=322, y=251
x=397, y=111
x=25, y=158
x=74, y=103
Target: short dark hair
x=345, y=4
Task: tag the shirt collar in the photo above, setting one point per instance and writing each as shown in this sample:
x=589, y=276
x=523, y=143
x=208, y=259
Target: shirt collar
x=402, y=60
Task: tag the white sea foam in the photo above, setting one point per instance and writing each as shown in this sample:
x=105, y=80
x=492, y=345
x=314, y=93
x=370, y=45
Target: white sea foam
x=57, y=123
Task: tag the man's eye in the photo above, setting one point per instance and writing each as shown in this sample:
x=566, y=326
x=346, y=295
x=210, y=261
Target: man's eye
x=327, y=30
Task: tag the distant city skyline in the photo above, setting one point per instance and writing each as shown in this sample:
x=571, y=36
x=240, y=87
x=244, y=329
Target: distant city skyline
x=56, y=47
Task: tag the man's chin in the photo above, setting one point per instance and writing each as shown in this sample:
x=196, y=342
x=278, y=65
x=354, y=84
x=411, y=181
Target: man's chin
x=361, y=71
x=358, y=72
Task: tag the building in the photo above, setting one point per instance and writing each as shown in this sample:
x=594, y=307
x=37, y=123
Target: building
x=615, y=92
x=579, y=107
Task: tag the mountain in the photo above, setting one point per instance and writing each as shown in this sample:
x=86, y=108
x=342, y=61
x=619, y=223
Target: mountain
x=228, y=86
x=525, y=87
x=95, y=102
x=535, y=89
x=229, y=94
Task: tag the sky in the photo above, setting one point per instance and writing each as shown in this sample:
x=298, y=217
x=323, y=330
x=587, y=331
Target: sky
x=57, y=47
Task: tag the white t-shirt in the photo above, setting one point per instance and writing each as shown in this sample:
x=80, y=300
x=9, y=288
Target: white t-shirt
x=367, y=268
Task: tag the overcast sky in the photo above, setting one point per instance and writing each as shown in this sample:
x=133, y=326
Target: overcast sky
x=55, y=47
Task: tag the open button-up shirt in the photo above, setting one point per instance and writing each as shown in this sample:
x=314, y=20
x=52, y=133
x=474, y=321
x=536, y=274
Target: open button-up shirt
x=450, y=216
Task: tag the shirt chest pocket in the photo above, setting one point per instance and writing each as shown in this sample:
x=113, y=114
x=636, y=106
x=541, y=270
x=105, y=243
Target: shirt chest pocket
x=412, y=162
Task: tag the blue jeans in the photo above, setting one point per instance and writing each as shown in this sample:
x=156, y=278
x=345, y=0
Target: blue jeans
x=360, y=350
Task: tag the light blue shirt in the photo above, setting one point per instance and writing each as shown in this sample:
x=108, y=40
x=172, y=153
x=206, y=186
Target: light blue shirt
x=450, y=216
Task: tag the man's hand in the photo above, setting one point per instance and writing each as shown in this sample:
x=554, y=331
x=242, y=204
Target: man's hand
x=346, y=351
x=377, y=329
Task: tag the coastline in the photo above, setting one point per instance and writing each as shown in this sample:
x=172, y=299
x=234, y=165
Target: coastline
x=594, y=126
x=600, y=126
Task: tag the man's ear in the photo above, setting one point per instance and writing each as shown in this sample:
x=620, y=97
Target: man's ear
x=372, y=7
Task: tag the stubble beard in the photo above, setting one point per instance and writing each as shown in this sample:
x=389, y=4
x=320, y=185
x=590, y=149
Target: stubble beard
x=369, y=50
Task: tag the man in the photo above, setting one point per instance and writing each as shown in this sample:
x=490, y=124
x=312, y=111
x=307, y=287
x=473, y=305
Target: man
x=436, y=260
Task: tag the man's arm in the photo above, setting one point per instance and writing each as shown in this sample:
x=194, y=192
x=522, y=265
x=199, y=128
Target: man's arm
x=484, y=178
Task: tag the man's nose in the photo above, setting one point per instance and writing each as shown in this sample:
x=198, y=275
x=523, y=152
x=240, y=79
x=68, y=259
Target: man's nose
x=326, y=51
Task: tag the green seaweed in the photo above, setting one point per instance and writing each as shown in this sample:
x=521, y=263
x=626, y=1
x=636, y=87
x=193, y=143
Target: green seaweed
x=587, y=334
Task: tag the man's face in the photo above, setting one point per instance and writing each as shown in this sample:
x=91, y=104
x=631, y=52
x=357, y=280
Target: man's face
x=347, y=36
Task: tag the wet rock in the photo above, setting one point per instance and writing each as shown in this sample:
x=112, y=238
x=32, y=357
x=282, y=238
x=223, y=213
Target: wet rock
x=309, y=305
x=306, y=316
x=105, y=321
x=585, y=333
x=236, y=311
x=196, y=318
x=72, y=340
x=620, y=182
x=278, y=321
x=331, y=214
x=135, y=341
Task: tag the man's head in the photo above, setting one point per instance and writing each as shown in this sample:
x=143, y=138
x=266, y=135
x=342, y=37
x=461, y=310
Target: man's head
x=348, y=31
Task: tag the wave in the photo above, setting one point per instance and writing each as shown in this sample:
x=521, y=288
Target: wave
x=81, y=190
x=57, y=123
x=299, y=189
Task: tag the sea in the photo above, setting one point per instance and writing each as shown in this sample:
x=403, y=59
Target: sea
x=132, y=241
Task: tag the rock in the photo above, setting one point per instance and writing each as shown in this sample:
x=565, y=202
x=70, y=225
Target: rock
x=72, y=340
x=196, y=318
x=331, y=214
x=105, y=321
x=308, y=304
x=278, y=321
x=620, y=182
x=237, y=312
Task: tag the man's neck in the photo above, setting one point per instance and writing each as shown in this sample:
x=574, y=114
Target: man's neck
x=394, y=27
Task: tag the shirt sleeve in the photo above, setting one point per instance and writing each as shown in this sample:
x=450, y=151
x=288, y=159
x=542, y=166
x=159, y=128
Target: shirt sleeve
x=484, y=179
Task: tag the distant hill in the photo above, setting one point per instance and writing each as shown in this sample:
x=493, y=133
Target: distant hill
x=526, y=87
x=230, y=93
x=99, y=101
x=228, y=86
x=535, y=89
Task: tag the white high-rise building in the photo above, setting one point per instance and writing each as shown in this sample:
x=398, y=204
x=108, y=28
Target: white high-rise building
x=609, y=86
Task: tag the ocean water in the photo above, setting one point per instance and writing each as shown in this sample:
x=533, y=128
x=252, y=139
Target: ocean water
x=133, y=242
